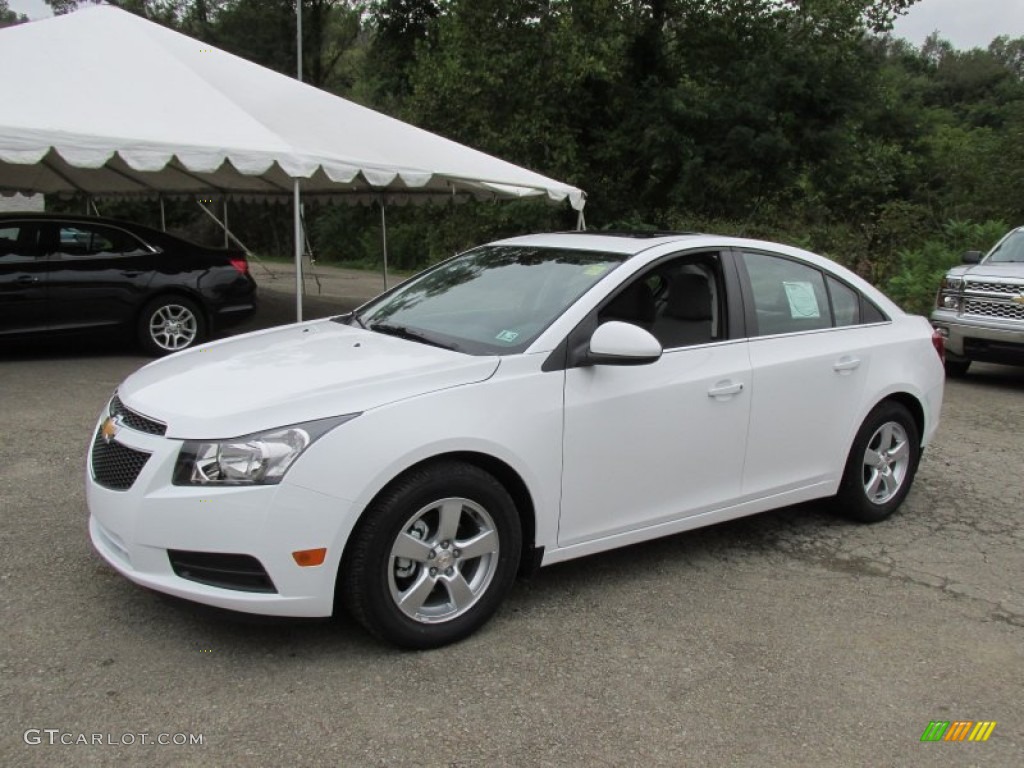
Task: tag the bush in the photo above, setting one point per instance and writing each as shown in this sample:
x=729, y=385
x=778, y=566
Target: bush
x=920, y=270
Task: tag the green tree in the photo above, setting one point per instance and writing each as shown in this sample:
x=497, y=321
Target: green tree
x=8, y=17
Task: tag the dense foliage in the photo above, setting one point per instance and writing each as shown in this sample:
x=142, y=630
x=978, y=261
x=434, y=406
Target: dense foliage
x=798, y=120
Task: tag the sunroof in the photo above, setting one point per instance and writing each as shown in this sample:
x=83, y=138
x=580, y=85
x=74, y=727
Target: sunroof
x=643, y=234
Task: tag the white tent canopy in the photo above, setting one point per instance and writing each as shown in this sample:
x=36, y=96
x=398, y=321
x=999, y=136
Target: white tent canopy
x=104, y=102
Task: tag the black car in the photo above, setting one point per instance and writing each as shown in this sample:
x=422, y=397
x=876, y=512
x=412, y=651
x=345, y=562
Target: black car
x=62, y=274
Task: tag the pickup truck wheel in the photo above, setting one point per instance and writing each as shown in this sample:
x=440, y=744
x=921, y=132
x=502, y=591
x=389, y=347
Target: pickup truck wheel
x=433, y=556
x=881, y=465
x=957, y=369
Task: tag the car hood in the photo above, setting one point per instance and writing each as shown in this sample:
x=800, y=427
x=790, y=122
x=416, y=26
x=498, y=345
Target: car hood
x=1012, y=270
x=289, y=375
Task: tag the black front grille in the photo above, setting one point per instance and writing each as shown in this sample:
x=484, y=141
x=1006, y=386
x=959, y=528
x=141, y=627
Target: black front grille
x=116, y=466
x=134, y=420
x=217, y=569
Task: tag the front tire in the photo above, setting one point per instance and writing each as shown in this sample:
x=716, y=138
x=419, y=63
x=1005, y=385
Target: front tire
x=881, y=465
x=170, y=324
x=433, y=557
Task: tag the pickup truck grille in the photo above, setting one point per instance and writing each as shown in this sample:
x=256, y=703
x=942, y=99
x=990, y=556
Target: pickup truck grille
x=1007, y=289
x=1001, y=309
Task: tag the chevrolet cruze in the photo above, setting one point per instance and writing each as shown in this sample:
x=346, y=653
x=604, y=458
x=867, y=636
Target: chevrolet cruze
x=524, y=403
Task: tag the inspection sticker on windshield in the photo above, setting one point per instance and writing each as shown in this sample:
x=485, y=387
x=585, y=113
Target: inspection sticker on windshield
x=507, y=336
x=595, y=269
x=802, y=301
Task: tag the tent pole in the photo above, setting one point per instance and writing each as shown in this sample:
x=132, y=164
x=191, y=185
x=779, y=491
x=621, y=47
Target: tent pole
x=227, y=242
x=384, y=240
x=298, y=254
x=298, y=40
x=163, y=215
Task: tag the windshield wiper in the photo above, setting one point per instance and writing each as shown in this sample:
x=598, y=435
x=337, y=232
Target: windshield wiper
x=407, y=333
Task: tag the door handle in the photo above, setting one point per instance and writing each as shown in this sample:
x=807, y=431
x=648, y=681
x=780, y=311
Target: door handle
x=846, y=365
x=725, y=389
x=27, y=279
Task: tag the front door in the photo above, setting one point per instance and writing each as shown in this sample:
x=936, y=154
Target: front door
x=650, y=444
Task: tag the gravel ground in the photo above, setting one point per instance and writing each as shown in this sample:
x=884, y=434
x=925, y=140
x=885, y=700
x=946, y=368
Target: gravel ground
x=788, y=639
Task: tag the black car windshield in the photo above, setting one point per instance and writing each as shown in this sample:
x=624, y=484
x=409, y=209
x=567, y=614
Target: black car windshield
x=493, y=300
x=1011, y=249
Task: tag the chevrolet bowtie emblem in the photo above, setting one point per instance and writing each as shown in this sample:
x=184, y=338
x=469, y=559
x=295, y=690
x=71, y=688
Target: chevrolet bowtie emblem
x=108, y=430
x=1018, y=299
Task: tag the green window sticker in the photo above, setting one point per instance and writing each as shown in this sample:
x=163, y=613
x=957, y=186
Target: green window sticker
x=507, y=336
x=802, y=301
x=595, y=269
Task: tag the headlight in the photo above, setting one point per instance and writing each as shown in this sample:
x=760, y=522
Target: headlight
x=258, y=459
x=952, y=283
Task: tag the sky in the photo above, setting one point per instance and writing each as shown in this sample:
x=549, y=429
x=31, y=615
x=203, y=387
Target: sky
x=965, y=23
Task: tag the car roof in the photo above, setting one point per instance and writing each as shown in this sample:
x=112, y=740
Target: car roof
x=79, y=217
x=633, y=243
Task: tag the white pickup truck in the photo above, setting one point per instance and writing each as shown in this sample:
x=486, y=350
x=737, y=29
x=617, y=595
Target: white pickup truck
x=979, y=308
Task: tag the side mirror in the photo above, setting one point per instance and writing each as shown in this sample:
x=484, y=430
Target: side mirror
x=972, y=257
x=618, y=343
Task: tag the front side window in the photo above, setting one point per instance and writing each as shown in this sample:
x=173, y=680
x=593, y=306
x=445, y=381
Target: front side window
x=679, y=301
x=493, y=300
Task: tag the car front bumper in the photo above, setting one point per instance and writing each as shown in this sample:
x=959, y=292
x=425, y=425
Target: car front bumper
x=987, y=340
x=136, y=529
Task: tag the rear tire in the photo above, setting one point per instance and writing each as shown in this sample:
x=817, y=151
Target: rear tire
x=433, y=556
x=881, y=466
x=170, y=324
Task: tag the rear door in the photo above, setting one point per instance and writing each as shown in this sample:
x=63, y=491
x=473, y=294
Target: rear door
x=98, y=274
x=810, y=353
x=23, y=279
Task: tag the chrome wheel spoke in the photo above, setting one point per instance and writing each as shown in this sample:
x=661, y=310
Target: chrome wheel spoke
x=873, y=484
x=411, y=548
x=451, y=514
x=459, y=591
x=872, y=458
x=484, y=544
x=412, y=600
x=899, y=453
x=886, y=439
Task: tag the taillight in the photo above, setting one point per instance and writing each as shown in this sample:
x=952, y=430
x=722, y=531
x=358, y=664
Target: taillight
x=939, y=342
x=240, y=264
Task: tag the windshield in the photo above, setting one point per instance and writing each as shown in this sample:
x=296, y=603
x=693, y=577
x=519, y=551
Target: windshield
x=1011, y=249
x=493, y=300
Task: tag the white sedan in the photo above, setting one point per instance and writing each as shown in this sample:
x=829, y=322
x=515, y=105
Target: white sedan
x=527, y=402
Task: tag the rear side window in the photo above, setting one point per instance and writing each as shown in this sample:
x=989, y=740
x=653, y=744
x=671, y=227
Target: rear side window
x=83, y=240
x=788, y=296
x=845, y=303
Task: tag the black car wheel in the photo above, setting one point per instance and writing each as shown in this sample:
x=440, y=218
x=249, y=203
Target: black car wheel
x=171, y=324
x=881, y=465
x=433, y=557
